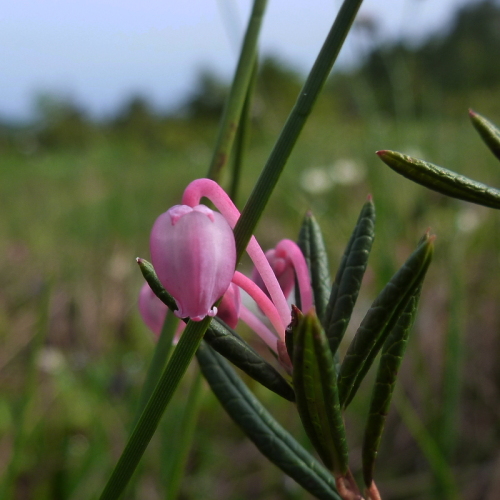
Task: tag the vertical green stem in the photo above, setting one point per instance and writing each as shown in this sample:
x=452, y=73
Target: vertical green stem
x=294, y=124
x=176, y=451
x=238, y=92
x=150, y=418
x=160, y=356
x=242, y=136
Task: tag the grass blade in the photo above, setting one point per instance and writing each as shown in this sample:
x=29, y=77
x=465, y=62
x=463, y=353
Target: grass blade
x=288, y=137
x=313, y=247
x=349, y=276
x=160, y=357
x=270, y=438
x=488, y=132
x=238, y=92
x=380, y=319
x=441, y=180
x=150, y=418
x=176, y=451
x=242, y=137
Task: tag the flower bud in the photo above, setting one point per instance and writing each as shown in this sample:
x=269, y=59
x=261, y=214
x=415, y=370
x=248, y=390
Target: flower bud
x=152, y=309
x=282, y=268
x=194, y=255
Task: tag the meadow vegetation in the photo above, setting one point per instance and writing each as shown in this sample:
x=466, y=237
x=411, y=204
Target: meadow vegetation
x=78, y=199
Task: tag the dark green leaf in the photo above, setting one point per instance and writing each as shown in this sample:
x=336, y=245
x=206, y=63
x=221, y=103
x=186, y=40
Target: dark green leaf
x=228, y=343
x=441, y=180
x=349, y=276
x=315, y=383
x=270, y=438
x=149, y=274
x=313, y=247
x=488, y=132
x=380, y=319
x=390, y=360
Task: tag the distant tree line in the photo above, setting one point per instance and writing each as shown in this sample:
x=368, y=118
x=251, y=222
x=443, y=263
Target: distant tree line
x=447, y=73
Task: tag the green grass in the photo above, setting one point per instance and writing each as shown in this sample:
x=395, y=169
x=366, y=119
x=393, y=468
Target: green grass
x=72, y=224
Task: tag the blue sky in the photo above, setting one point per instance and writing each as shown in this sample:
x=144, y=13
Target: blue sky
x=99, y=52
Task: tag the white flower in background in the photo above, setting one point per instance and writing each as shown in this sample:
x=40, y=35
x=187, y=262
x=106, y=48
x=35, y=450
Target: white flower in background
x=347, y=171
x=468, y=219
x=316, y=180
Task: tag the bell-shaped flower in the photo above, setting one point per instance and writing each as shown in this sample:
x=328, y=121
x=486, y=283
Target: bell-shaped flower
x=194, y=255
x=152, y=309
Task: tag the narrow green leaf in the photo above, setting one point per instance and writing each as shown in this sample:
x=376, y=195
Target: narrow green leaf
x=271, y=439
x=238, y=92
x=228, y=343
x=293, y=127
x=149, y=274
x=380, y=319
x=345, y=288
x=313, y=247
x=488, y=132
x=390, y=361
x=441, y=180
x=315, y=383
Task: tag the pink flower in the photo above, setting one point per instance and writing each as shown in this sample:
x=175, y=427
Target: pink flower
x=152, y=309
x=194, y=255
x=229, y=308
x=288, y=263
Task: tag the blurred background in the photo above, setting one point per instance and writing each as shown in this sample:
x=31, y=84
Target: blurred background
x=108, y=109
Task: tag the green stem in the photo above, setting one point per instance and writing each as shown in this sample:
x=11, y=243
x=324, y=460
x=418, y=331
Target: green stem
x=294, y=124
x=242, y=136
x=150, y=418
x=160, y=357
x=238, y=92
x=176, y=451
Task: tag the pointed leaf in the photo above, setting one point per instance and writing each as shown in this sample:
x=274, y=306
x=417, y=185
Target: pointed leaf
x=150, y=276
x=315, y=383
x=390, y=361
x=488, y=132
x=313, y=247
x=349, y=276
x=441, y=180
x=228, y=343
x=380, y=319
x=271, y=439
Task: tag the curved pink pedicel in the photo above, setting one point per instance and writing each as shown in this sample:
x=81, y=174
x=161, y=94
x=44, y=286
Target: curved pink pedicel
x=200, y=188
